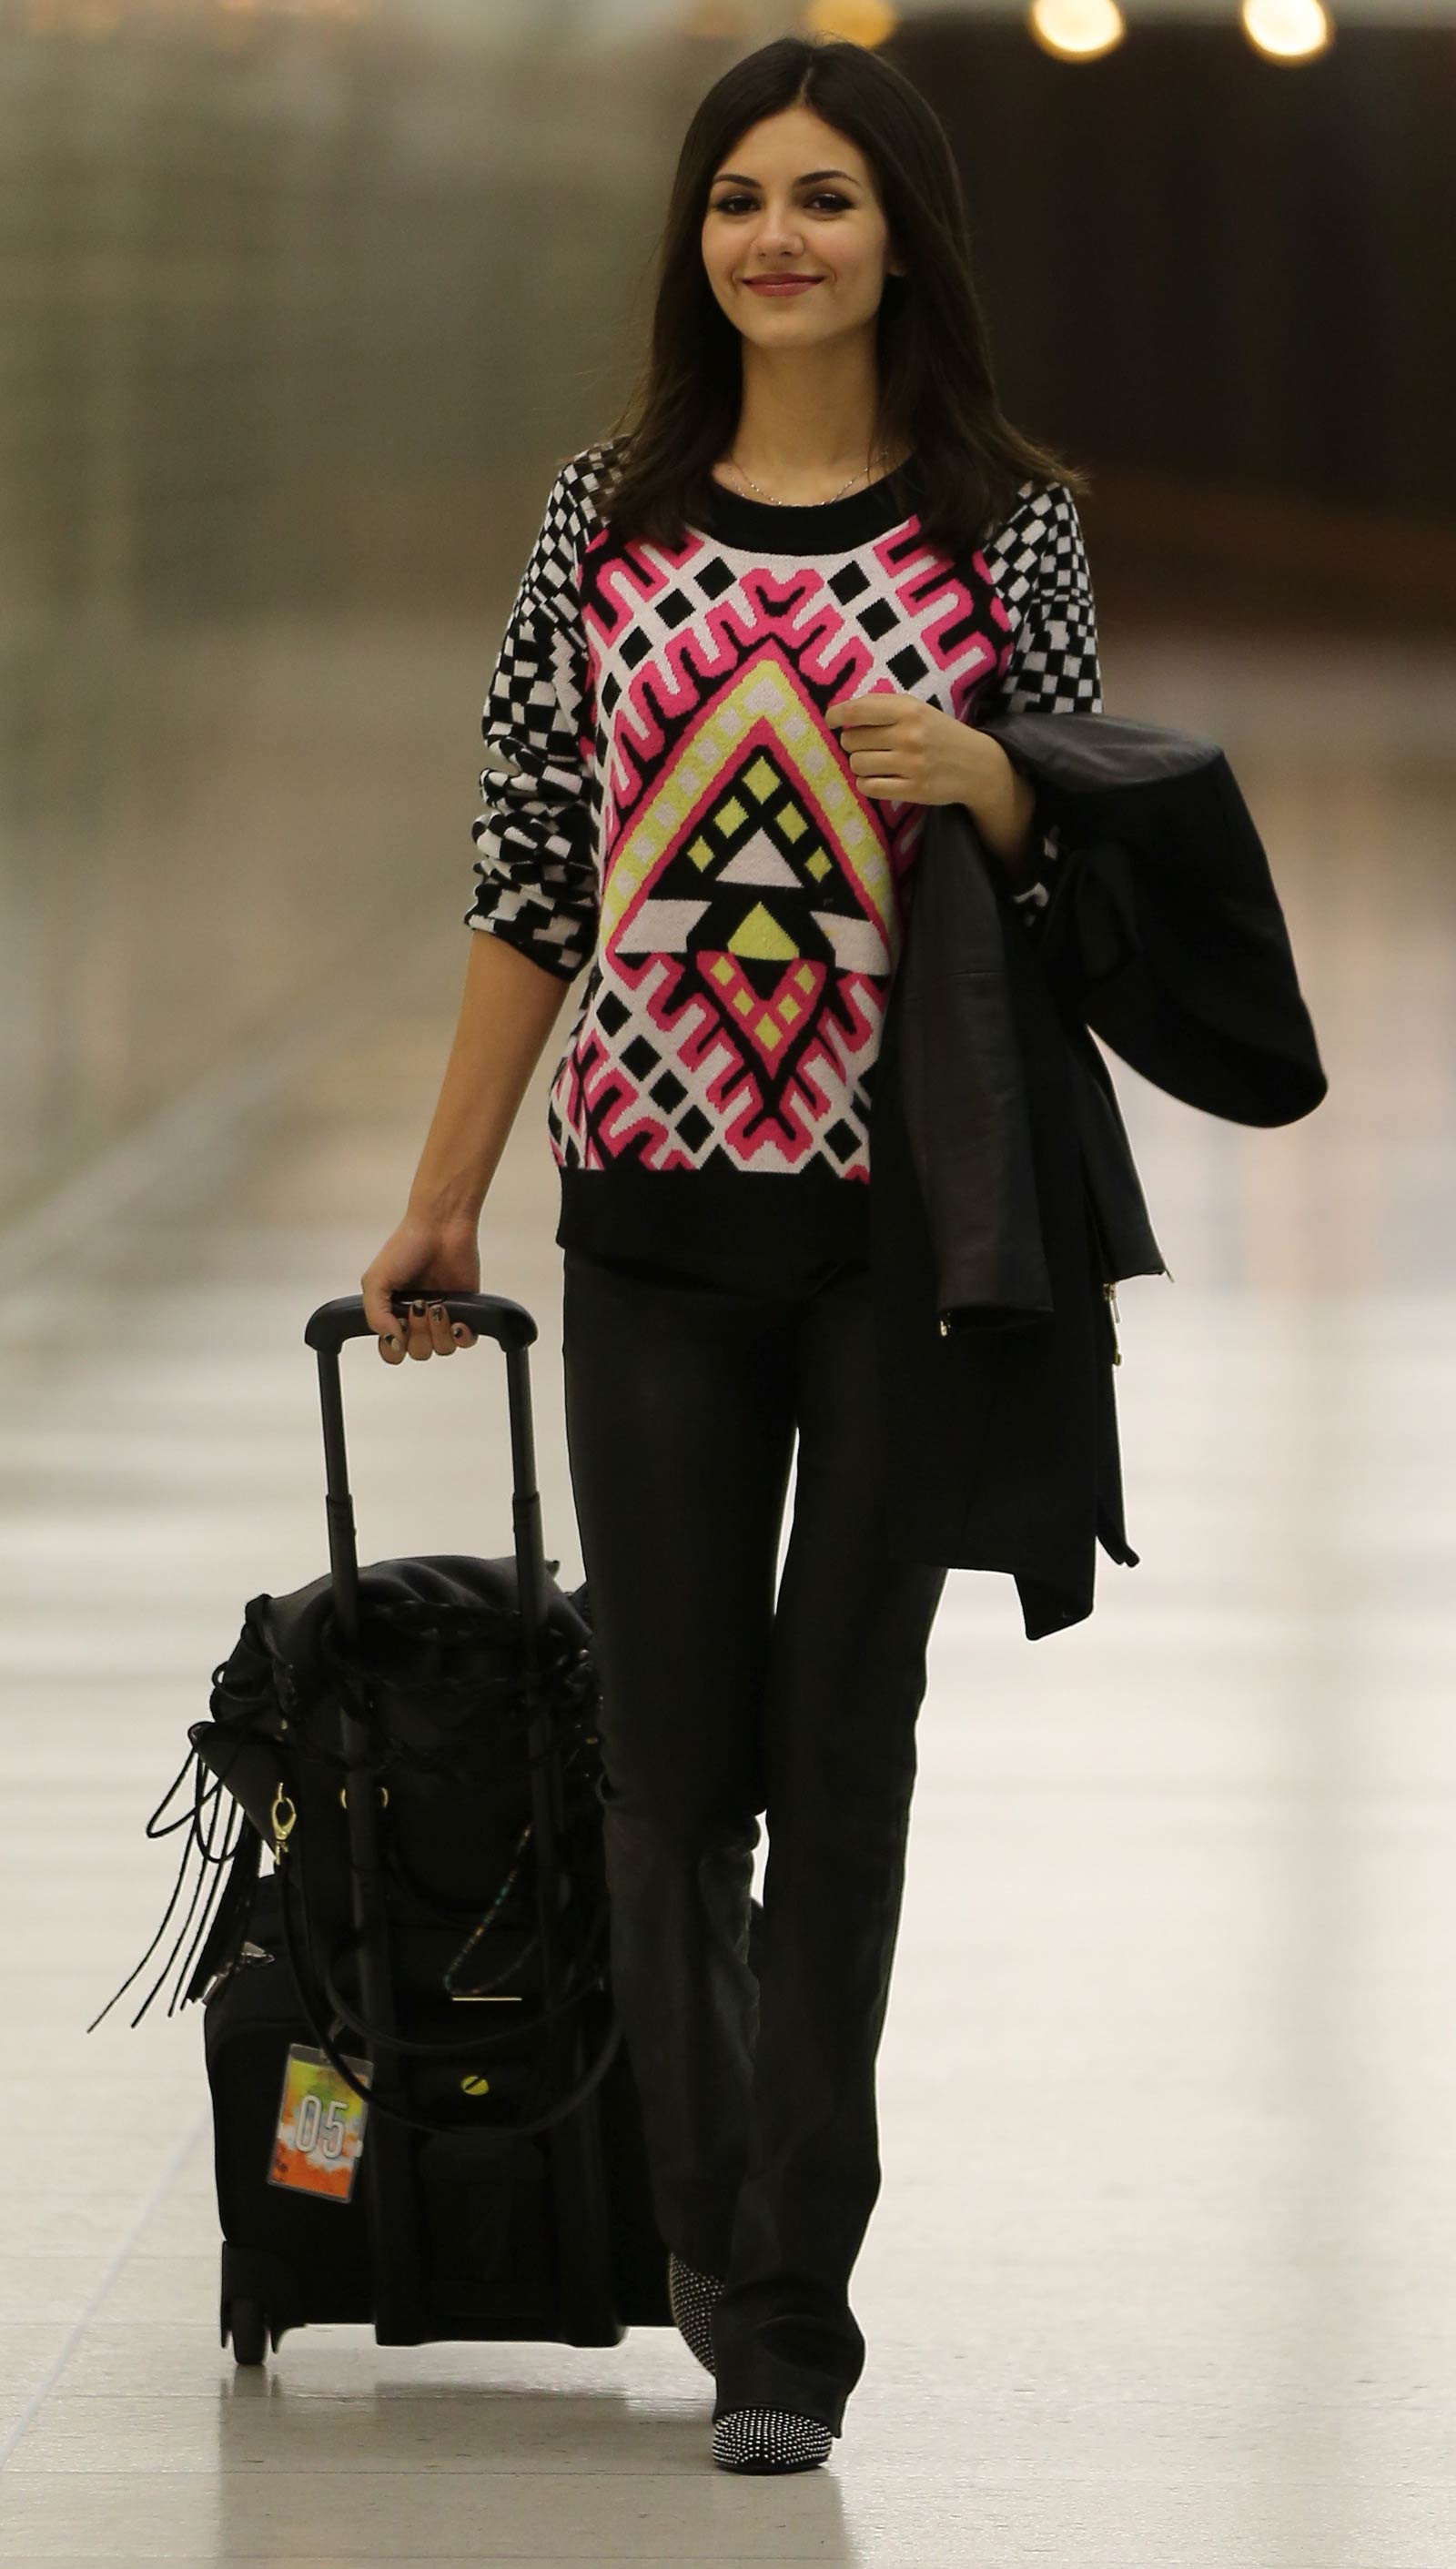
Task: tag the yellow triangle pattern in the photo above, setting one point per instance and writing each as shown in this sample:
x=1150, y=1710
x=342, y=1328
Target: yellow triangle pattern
x=761, y=935
x=763, y=692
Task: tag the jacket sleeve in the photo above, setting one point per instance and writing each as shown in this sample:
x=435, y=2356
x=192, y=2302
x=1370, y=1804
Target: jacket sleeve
x=1038, y=561
x=536, y=859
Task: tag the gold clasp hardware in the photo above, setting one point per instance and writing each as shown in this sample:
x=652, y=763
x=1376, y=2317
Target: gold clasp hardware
x=383, y=1796
x=283, y=1816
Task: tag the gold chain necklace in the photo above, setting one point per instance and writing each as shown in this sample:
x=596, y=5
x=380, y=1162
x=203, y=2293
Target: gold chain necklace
x=877, y=458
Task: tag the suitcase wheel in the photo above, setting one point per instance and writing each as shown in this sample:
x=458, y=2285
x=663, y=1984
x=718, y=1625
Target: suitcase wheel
x=248, y=2324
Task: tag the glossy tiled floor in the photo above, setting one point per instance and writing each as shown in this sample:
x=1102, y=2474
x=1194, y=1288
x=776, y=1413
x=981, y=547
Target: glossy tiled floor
x=1163, y=2271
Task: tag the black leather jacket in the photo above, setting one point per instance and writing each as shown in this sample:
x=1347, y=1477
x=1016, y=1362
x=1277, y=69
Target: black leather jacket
x=1005, y=1200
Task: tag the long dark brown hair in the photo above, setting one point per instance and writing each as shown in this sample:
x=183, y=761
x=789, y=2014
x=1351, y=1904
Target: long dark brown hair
x=936, y=391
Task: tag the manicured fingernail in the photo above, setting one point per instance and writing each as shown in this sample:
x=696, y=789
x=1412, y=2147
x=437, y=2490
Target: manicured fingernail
x=457, y=1331
x=436, y=1310
x=391, y=1340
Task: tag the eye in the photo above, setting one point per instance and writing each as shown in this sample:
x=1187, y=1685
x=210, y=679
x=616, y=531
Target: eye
x=823, y=197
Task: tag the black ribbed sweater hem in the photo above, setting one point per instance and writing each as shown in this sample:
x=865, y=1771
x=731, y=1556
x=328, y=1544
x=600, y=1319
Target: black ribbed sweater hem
x=733, y=1227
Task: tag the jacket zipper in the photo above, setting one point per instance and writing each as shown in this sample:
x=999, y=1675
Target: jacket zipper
x=1113, y=1313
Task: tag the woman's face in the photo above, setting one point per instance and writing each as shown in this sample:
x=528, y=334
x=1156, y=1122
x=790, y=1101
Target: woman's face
x=796, y=198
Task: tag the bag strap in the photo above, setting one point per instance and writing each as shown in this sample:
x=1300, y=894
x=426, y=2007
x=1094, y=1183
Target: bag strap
x=558, y=2113
x=234, y=1908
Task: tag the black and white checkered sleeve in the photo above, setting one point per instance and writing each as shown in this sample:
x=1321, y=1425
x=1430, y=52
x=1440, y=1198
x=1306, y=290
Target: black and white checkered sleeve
x=1038, y=562
x=536, y=857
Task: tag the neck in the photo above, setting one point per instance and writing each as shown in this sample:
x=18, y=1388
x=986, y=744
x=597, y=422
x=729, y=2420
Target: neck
x=807, y=416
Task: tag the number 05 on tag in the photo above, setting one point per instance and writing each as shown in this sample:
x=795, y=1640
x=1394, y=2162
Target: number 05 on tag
x=320, y=2135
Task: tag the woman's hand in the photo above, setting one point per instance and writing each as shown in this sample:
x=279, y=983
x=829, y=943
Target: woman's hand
x=906, y=751
x=423, y=1259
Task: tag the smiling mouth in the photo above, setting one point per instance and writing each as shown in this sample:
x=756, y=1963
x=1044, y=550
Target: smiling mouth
x=780, y=284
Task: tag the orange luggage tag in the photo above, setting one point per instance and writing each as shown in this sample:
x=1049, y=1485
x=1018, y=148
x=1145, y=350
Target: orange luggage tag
x=320, y=2135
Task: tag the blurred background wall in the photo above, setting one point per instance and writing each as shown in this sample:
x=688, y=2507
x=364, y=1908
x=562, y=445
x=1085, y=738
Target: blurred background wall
x=306, y=302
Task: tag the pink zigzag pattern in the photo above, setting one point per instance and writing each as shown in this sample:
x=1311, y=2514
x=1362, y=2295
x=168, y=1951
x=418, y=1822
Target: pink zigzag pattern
x=715, y=648
x=597, y=1098
x=956, y=619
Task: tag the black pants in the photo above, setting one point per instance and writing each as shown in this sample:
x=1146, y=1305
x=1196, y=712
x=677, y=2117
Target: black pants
x=719, y=1703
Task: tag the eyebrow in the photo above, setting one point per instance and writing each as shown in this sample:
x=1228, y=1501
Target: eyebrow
x=801, y=181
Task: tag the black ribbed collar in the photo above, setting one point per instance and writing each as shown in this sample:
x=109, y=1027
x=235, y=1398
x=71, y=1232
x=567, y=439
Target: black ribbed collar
x=819, y=526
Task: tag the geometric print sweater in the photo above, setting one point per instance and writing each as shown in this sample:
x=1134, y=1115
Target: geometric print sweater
x=677, y=817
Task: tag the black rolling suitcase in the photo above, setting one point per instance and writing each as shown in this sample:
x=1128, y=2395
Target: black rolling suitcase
x=424, y=2113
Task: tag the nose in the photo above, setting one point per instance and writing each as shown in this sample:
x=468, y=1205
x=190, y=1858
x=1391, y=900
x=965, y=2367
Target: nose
x=775, y=250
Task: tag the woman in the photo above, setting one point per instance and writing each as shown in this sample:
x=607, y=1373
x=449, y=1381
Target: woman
x=749, y=648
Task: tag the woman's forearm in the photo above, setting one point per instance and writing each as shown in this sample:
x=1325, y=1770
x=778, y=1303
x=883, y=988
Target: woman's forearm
x=1002, y=804
x=506, y=1011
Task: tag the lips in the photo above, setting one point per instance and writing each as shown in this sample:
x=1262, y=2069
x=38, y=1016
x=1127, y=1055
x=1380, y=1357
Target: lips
x=781, y=285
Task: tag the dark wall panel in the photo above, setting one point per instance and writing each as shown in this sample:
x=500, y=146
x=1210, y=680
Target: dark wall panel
x=1201, y=263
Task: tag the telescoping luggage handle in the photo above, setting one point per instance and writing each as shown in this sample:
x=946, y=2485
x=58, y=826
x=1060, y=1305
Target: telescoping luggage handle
x=491, y=1315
